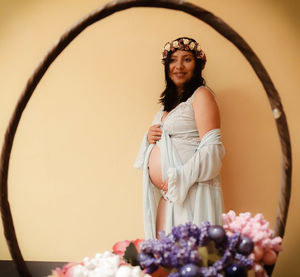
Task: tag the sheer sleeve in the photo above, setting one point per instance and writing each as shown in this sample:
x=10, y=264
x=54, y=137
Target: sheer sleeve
x=204, y=165
x=139, y=162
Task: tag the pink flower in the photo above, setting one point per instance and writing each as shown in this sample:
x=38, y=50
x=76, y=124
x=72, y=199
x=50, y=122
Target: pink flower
x=258, y=229
x=276, y=244
x=67, y=270
x=137, y=244
x=120, y=247
x=57, y=273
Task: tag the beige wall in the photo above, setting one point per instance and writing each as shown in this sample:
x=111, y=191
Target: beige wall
x=72, y=187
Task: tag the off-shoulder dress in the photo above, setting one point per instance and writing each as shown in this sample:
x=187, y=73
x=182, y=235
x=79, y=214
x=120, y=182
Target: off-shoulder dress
x=192, y=167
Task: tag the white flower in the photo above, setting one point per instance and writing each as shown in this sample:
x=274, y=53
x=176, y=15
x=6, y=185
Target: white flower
x=123, y=271
x=79, y=271
x=102, y=265
x=136, y=271
x=192, y=45
x=89, y=264
x=105, y=265
x=186, y=41
x=175, y=44
x=198, y=48
x=167, y=46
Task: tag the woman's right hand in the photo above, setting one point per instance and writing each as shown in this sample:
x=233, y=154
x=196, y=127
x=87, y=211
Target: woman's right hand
x=154, y=133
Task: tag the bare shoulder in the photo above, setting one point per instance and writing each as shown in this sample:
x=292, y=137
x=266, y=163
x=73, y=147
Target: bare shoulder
x=206, y=111
x=204, y=97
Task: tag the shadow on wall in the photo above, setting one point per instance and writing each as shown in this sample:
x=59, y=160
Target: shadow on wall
x=251, y=168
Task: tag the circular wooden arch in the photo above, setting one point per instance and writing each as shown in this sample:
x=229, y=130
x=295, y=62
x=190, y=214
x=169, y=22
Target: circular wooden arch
x=216, y=23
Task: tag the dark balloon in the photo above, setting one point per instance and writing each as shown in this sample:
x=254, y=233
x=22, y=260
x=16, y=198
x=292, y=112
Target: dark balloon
x=235, y=270
x=217, y=233
x=245, y=246
x=190, y=270
x=151, y=269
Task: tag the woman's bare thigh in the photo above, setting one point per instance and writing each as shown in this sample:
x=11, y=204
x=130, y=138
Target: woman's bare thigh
x=161, y=215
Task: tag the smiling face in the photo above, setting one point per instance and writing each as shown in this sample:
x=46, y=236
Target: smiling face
x=181, y=67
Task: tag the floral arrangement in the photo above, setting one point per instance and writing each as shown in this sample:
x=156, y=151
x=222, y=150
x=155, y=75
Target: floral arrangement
x=193, y=251
x=266, y=246
x=183, y=44
x=241, y=244
x=102, y=265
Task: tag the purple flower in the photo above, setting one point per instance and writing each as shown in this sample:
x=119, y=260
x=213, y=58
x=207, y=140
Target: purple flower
x=218, y=265
x=180, y=247
x=179, y=232
x=203, y=237
x=208, y=271
x=227, y=257
x=243, y=260
x=195, y=258
x=233, y=241
x=147, y=246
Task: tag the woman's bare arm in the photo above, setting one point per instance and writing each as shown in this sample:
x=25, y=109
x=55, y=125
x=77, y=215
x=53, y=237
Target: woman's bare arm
x=206, y=111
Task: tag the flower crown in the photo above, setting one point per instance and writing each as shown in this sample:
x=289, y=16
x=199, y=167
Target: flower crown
x=183, y=44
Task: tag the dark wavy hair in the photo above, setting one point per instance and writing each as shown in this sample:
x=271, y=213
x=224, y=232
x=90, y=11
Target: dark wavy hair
x=169, y=98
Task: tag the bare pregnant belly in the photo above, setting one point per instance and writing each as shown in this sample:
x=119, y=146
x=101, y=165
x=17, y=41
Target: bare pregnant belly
x=154, y=165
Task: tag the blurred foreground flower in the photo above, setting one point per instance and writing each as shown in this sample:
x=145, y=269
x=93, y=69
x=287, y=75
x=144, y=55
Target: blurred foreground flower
x=102, y=265
x=192, y=251
x=119, y=248
x=266, y=246
x=241, y=244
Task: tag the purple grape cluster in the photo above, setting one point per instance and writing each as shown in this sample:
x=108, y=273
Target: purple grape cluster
x=178, y=251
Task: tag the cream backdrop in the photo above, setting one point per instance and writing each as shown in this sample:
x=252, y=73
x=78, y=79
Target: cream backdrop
x=72, y=188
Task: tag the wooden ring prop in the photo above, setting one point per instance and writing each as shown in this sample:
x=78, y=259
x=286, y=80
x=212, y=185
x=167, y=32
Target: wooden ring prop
x=216, y=23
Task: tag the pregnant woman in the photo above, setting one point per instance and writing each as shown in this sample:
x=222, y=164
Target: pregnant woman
x=182, y=151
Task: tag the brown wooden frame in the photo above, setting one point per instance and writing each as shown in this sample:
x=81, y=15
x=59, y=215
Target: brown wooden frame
x=216, y=23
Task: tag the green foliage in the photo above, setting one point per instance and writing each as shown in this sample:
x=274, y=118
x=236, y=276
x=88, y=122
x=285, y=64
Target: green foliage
x=208, y=254
x=203, y=253
x=130, y=255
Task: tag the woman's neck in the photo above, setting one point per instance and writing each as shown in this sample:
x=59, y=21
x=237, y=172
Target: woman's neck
x=179, y=94
x=179, y=90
